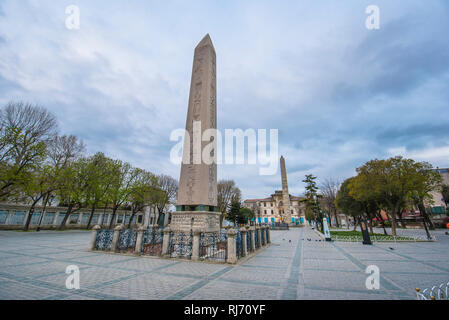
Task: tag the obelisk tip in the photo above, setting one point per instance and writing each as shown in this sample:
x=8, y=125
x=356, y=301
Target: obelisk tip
x=206, y=41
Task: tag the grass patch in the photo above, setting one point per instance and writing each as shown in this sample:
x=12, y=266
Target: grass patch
x=351, y=233
x=358, y=234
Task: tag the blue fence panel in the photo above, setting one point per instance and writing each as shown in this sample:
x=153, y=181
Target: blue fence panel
x=18, y=218
x=73, y=219
x=3, y=216
x=104, y=239
x=48, y=219
x=60, y=218
x=180, y=245
x=127, y=240
x=85, y=218
x=94, y=219
x=239, y=244
x=35, y=218
x=256, y=238
x=249, y=241
x=152, y=242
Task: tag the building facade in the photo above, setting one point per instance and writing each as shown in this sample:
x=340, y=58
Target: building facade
x=272, y=209
x=280, y=206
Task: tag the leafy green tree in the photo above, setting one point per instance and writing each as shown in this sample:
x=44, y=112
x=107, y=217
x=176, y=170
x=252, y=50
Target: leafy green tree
x=311, y=200
x=234, y=212
x=71, y=186
x=347, y=203
x=122, y=176
x=393, y=181
x=35, y=188
x=140, y=196
x=245, y=215
x=427, y=180
x=60, y=152
x=99, y=180
x=24, y=131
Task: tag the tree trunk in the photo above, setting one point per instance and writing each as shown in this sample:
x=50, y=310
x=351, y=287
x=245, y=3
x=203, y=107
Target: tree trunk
x=43, y=211
x=379, y=216
x=92, y=212
x=370, y=225
x=403, y=225
x=425, y=216
x=336, y=218
x=66, y=217
x=160, y=220
x=30, y=214
x=355, y=224
x=114, y=210
x=131, y=219
x=393, y=222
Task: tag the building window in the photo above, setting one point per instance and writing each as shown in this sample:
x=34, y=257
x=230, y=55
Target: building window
x=264, y=204
x=265, y=211
x=139, y=219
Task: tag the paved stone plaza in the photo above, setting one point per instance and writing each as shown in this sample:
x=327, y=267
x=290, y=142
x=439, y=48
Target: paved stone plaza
x=33, y=267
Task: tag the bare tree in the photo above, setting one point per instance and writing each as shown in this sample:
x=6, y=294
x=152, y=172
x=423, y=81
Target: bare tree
x=169, y=188
x=141, y=192
x=329, y=189
x=24, y=132
x=227, y=192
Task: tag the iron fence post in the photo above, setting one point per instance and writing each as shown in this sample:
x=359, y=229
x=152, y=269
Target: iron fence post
x=253, y=239
x=138, y=248
x=117, y=230
x=165, y=242
x=232, y=252
x=268, y=234
x=196, y=245
x=259, y=238
x=244, y=235
x=93, y=237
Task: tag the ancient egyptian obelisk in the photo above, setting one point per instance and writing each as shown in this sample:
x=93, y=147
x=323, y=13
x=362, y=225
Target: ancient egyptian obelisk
x=285, y=195
x=197, y=195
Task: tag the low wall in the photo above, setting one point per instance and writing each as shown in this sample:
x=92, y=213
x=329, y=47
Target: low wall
x=13, y=217
x=226, y=246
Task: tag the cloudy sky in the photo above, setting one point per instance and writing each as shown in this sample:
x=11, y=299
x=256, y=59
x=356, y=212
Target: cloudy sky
x=339, y=94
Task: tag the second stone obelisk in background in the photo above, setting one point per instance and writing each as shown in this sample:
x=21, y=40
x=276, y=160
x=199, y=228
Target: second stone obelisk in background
x=197, y=195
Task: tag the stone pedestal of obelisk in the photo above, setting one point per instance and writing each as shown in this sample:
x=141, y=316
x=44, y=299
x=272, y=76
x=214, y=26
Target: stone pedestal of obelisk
x=285, y=195
x=197, y=194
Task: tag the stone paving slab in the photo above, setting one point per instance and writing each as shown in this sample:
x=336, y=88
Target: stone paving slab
x=33, y=267
x=15, y=290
